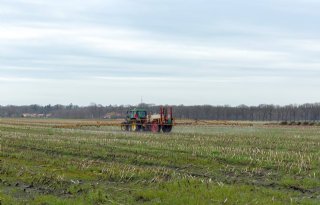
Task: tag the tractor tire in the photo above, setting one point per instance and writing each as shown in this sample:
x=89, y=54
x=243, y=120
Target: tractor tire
x=124, y=126
x=155, y=127
x=166, y=128
x=139, y=127
x=147, y=127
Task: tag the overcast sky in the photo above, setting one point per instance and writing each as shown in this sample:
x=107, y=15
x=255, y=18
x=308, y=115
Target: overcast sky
x=167, y=51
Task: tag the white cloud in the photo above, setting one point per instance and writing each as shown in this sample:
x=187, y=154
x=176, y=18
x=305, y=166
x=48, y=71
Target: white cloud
x=149, y=47
x=22, y=80
x=12, y=33
x=311, y=45
x=133, y=43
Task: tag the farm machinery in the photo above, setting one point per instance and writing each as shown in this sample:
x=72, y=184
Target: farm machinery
x=138, y=119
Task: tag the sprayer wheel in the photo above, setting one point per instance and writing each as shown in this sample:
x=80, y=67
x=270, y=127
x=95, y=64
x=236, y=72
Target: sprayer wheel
x=155, y=127
x=167, y=128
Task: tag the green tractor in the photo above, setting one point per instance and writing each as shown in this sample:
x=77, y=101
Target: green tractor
x=137, y=119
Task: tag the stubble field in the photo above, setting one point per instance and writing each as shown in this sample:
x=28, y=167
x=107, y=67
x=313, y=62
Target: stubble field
x=67, y=162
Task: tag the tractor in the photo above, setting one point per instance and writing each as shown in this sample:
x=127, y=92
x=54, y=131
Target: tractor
x=138, y=119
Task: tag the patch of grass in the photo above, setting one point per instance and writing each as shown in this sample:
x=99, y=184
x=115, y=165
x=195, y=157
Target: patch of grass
x=196, y=192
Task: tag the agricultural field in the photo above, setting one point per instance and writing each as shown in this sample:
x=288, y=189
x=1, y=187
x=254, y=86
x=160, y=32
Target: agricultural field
x=54, y=161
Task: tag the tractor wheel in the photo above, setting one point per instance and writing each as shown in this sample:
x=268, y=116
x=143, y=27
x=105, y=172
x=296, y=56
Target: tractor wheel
x=139, y=127
x=166, y=128
x=124, y=126
x=155, y=127
x=147, y=127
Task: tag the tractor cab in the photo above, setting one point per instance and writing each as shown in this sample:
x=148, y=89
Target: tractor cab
x=137, y=114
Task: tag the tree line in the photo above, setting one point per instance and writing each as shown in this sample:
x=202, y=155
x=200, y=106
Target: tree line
x=305, y=112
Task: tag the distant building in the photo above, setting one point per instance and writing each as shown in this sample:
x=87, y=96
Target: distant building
x=113, y=115
x=35, y=115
